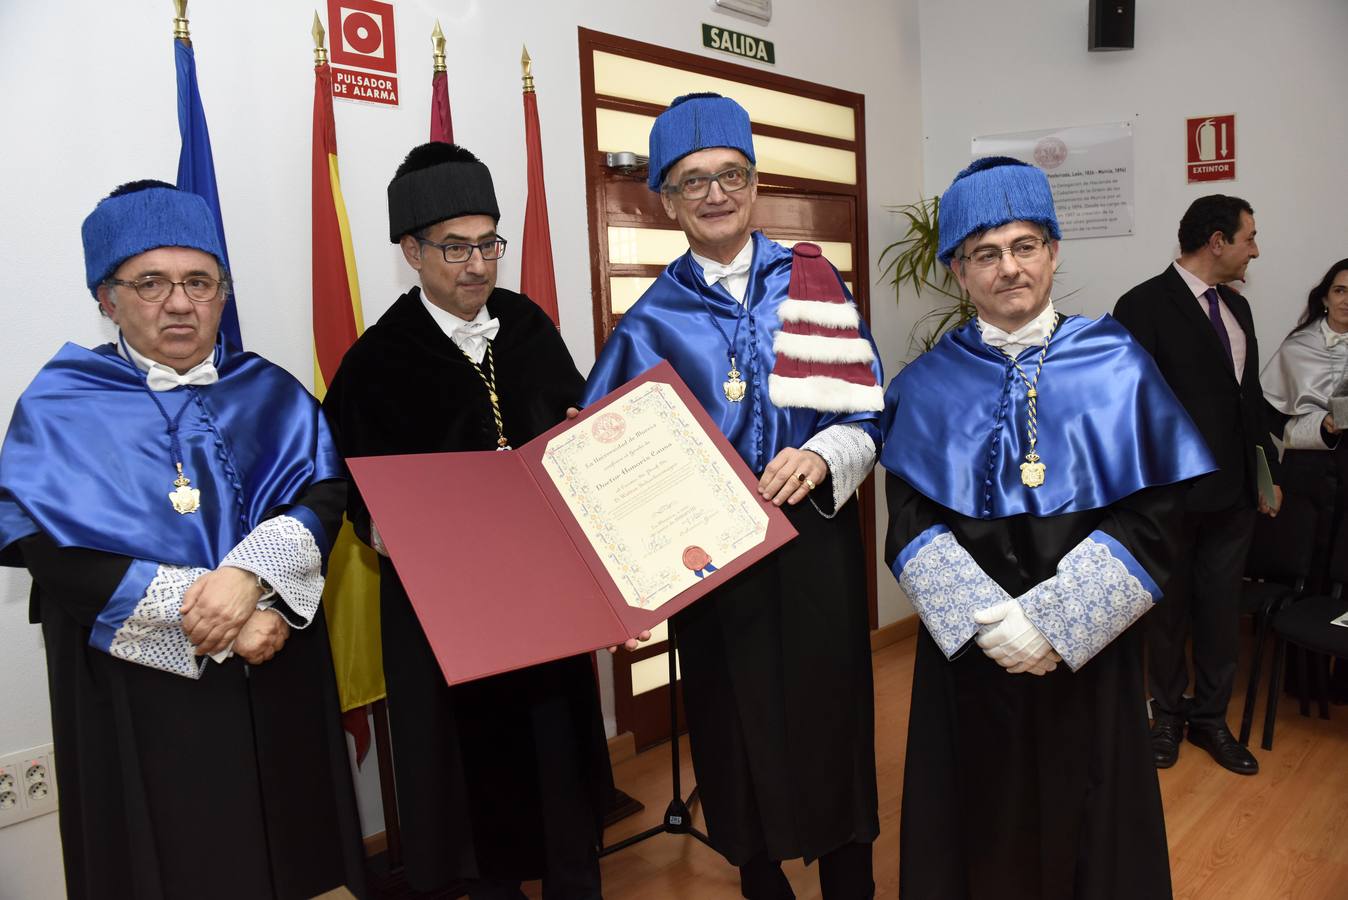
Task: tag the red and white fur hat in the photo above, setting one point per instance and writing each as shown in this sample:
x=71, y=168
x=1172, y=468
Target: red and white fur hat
x=823, y=362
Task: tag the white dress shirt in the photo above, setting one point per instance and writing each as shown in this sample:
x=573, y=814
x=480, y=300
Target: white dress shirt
x=160, y=377
x=1014, y=343
x=1233, y=329
x=470, y=335
x=734, y=275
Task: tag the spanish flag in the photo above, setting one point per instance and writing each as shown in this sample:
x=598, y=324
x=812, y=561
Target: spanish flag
x=351, y=598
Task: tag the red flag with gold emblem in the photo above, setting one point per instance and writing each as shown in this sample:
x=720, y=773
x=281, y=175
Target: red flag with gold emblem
x=538, y=281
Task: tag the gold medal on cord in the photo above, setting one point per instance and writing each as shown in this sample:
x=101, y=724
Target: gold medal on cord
x=185, y=498
x=734, y=388
x=1032, y=471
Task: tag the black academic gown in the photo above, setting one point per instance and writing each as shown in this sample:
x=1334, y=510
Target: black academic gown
x=989, y=752
x=164, y=780
x=506, y=777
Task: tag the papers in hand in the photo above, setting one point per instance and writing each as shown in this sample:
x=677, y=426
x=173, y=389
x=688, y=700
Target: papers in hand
x=1338, y=408
x=599, y=529
x=1266, y=492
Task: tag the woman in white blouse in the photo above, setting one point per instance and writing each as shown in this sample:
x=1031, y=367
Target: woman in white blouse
x=1306, y=379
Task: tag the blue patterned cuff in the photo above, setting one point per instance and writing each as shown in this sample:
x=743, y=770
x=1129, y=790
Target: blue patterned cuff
x=130, y=591
x=916, y=544
x=141, y=622
x=946, y=586
x=1099, y=591
x=284, y=551
x=1125, y=556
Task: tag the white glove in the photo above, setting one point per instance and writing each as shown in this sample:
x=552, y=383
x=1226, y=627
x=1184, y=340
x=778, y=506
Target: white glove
x=1011, y=640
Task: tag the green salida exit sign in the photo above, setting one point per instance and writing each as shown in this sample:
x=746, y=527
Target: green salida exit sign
x=745, y=45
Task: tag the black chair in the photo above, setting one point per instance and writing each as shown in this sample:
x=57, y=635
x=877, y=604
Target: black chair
x=1305, y=623
x=1276, y=570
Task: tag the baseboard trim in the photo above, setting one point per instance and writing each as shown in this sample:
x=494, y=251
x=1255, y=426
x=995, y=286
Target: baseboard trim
x=376, y=844
x=893, y=632
x=622, y=747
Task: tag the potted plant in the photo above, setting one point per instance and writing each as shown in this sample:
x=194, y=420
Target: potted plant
x=912, y=261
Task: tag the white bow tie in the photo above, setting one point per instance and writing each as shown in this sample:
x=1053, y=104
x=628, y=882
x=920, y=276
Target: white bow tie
x=714, y=271
x=162, y=378
x=471, y=330
x=1334, y=338
x=1031, y=334
x=996, y=337
x=472, y=337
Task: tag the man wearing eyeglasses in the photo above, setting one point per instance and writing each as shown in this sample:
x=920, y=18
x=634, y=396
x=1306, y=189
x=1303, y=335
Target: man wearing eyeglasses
x=1037, y=463
x=174, y=502
x=776, y=667
x=506, y=778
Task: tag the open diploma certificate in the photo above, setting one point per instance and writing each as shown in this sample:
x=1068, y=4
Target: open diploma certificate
x=593, y=532
x=654, y=495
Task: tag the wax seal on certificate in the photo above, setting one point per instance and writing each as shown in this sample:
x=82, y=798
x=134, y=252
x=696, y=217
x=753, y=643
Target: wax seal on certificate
x=697, y=561
x=608, y=428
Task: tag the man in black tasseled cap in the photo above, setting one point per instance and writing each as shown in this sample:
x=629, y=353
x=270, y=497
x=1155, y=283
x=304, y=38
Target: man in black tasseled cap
x=502, y=779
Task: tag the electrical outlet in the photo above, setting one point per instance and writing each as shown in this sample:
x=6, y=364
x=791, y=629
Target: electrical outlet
x=27, y=784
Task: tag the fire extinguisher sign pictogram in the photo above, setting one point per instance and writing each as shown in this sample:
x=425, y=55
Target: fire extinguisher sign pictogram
x=1211, y=148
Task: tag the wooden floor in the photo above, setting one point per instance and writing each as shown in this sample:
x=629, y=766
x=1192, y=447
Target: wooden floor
x=1280, y=834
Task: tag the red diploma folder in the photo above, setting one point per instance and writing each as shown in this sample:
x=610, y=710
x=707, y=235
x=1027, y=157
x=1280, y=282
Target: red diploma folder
x=499, y=571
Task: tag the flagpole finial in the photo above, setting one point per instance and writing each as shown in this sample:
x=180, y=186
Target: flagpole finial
x=320, y=54
x=180, y=30
x=438, y=44
x=527, y=68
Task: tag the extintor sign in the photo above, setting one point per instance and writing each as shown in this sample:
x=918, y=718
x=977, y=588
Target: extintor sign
x=1211, y=142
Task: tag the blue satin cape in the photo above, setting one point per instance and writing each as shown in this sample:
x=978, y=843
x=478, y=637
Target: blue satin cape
x=87, y=458
x=671, y=322
x=1109, y=425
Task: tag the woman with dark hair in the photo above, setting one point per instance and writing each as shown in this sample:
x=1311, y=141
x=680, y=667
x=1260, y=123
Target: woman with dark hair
x=1302, y=381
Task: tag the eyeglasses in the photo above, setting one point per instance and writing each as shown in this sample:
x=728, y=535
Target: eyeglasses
x=157, y=288
x=695, y=187
x=1023, y=250
x=460, y=253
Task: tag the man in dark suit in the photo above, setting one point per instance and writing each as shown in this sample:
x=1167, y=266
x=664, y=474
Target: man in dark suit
x=1201, y=334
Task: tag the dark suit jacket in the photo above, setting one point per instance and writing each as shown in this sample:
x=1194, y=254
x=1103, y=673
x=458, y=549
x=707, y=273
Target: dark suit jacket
x=1166, y=319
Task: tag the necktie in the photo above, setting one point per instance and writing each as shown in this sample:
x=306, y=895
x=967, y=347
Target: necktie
x=1215, y=315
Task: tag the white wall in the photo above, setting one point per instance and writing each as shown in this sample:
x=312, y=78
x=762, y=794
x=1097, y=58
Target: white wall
x=1280, y=67
x=89, y=102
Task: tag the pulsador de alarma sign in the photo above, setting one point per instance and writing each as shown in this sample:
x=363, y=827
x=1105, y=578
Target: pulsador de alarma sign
x=363, y=38
x=351, y=85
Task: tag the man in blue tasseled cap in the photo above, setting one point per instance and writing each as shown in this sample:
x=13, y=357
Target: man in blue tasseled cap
x=174, y=501
x=776, y=663
x=1030, y=524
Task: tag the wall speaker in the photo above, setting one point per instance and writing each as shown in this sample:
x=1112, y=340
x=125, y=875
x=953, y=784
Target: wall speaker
x=1111, y=25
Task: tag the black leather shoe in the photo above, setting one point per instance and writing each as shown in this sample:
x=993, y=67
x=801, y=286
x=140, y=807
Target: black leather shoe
x=1225, y=749
x=1165, y=740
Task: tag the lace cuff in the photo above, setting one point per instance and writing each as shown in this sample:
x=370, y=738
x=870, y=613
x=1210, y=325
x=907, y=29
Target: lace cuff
x=849, y=453
x=946, y=586
x=1099, y=591
x=152, y=634
x=1303, y=432
x=282, y=551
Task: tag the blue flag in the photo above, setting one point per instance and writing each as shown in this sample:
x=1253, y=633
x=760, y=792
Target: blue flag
x=196, y=168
